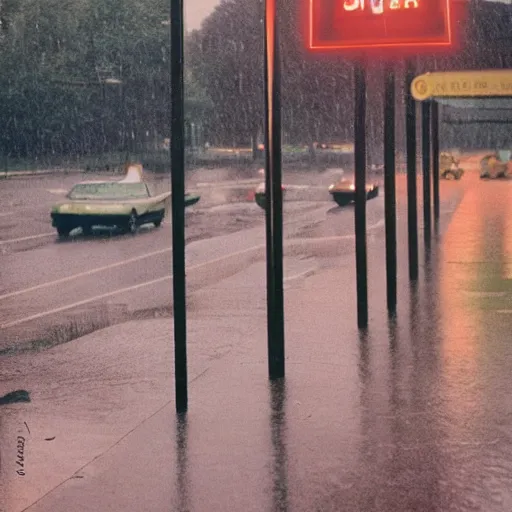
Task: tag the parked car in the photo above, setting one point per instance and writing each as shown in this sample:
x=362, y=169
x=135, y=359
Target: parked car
x=449, y=166
x=496, y=165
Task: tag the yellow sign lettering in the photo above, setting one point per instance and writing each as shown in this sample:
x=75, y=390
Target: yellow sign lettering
x=463, y=83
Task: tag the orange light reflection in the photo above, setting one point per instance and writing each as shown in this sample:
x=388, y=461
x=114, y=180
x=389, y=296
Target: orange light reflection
x=463, y=252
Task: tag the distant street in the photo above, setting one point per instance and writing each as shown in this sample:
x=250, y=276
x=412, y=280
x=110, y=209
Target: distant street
x=411, y=414
x=52, y=290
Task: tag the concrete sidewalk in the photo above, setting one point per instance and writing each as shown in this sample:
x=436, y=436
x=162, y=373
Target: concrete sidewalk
x=414, y=414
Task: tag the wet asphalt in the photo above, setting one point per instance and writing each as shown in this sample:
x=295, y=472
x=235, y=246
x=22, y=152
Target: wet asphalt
x=48, y=285
x=412, y=415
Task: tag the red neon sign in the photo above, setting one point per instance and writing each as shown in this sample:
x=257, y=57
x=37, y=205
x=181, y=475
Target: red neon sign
x=352, y=24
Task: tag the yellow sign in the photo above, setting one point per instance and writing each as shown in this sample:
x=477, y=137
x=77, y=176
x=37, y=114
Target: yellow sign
x=496, y=82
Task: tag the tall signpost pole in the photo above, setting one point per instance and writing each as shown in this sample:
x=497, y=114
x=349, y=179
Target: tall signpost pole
x=360, y=193
x=412, y=206
x=390, y=187
x=435, y=161
x=425, y=157
x=177, y=153
x=376, y=30
x=273, y=195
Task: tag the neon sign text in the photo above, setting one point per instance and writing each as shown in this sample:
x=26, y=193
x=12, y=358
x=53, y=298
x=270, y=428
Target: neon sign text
x=407, y=25
x=377, y=6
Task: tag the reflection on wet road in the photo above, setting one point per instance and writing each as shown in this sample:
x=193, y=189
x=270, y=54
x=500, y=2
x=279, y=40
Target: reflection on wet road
x=279, y=449
x=412, y=415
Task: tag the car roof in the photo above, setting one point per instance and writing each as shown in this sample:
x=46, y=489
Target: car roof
x=96, y=182
x=133, y=175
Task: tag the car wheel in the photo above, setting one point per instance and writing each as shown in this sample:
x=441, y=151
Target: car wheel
x=63, y=231
x=158, y=223
x=485, y=176
x=132, y=223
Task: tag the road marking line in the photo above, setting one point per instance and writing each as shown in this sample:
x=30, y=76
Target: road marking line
x=300, y=275
x=146, y=283
x=305, y=187
x=156, y=253
x=378, y=224
x=57, y=191
x=485, y=294
x=232, y=184
x=84, y=274
x=31, y=237
x=82, y=302
x=118, y=291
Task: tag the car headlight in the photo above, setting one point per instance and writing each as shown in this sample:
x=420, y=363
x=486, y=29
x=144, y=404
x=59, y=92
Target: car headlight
x=331, y=187
x=352, y=187
x=63, y=208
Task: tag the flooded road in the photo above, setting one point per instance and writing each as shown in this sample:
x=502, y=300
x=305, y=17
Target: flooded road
x=413, y=414
x=50, y=286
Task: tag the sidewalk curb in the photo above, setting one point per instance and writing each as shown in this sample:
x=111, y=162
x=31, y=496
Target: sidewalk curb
x=201, y=275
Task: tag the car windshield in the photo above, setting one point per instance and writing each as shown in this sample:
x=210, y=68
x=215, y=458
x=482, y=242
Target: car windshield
x=114, y=190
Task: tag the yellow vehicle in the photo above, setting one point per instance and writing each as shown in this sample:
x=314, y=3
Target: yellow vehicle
x=495, y=165
x=125, y=204
x=449, y=166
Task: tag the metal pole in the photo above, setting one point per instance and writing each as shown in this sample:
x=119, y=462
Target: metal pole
x=178, y=205
x=273, y=195
x=412, y=206
x=425, y=157
x=435, y=157
x=360, y=193
x=390, y=186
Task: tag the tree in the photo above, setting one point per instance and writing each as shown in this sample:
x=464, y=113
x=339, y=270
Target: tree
x=226, y=59
x=317, y=92
x=57, y=57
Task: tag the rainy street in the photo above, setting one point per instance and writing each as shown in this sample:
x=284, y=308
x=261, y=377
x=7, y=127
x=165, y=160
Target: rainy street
x=302, y=298
x=382, y=421
x=53, y=290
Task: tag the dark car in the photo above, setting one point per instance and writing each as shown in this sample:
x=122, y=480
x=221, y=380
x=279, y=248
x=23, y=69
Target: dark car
x=344, y=191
